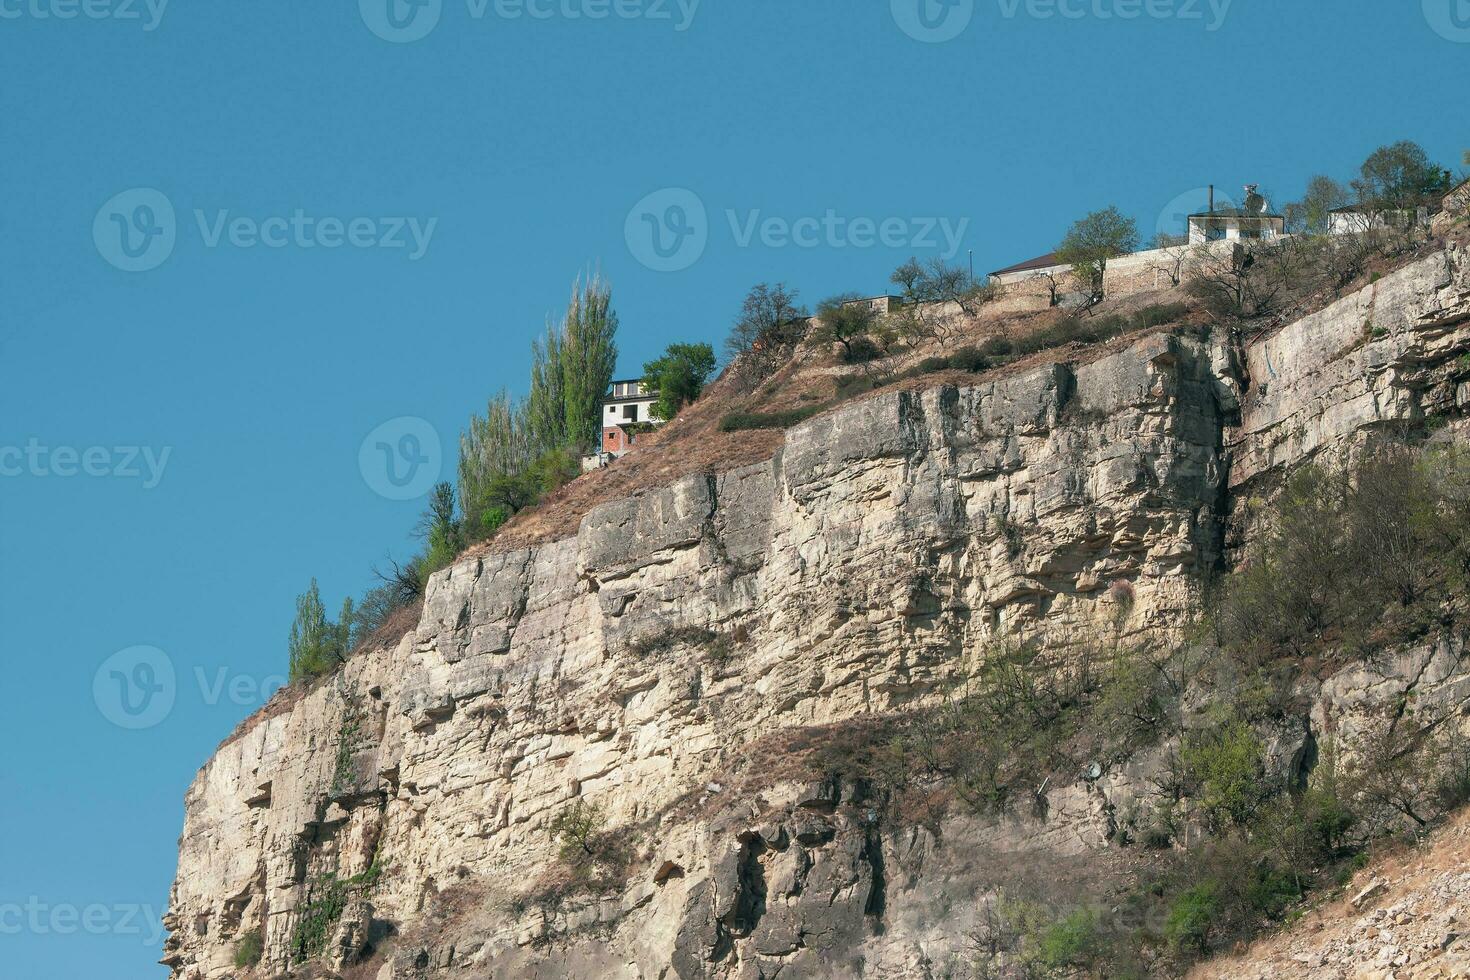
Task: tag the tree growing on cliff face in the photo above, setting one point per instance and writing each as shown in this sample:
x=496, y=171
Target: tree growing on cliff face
x=678, y=376
x=1092, y=241
x=496, y=446
x=589, y=356
x=317, y=645
x=546, y=407
x=440, y=530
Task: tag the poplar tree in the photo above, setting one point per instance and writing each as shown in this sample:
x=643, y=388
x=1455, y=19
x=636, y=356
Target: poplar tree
x=546, y=408
x=311, y=635
x=497, y=444
x=589, y=356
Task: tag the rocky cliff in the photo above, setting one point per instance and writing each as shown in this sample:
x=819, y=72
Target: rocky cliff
x=661, y=663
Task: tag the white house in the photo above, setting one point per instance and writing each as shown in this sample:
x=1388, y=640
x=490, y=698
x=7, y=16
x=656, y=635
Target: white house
x=1253, y=222
x=626, y=411
x=1040, y=266
x=1355, y=219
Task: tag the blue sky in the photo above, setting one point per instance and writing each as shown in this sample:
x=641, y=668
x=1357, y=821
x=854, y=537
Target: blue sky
x=181, y=445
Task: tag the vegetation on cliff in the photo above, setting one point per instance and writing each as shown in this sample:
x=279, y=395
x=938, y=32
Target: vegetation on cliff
x=1347, y=562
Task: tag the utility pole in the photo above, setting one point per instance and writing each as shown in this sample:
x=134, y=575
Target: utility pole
x=972, y=267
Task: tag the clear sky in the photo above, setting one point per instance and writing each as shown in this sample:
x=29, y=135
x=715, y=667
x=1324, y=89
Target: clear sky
x=184, y=398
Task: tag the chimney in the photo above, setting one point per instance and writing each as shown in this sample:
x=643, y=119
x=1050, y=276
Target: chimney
x=1212, y=199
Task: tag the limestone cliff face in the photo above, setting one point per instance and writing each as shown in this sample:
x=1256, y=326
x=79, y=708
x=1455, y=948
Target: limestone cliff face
x=860, y=570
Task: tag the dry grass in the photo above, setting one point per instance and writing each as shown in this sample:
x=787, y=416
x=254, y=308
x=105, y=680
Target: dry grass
x=693, y=443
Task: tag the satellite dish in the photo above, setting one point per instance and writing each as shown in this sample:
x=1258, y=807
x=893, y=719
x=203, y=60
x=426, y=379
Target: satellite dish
x=1254, y=202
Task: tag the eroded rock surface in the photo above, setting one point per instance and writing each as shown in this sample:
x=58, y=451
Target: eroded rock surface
x=883, y=549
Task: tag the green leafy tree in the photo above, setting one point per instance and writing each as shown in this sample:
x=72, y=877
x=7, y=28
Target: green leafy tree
x=1226, y=767
x=848, y=321
x=1092, y=241
x=678, y=376
x=589, y=356
x=439, y=528
x=496, y=447
x=1399, y=176
x=546, y=408
x=316, y=645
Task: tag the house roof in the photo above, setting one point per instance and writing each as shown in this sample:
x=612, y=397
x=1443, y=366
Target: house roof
x=1040, y=262
x=1236, y=213
x=611, y=399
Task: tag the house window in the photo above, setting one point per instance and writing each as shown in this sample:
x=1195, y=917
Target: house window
x=630, y=412
x=1215, y=233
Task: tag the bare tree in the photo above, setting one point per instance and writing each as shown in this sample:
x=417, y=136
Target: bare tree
x=1172, y=255
x=766, y=316
x=939, y=300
